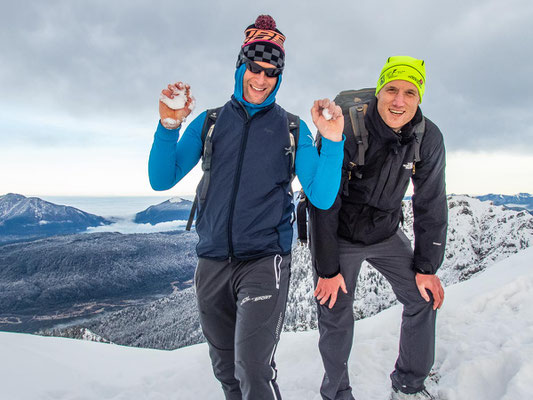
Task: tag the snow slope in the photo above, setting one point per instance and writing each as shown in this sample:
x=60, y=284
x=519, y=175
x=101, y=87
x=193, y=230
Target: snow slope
x=484, y=351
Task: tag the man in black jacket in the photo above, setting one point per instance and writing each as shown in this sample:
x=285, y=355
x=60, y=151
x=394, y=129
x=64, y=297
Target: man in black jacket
x=363, y=224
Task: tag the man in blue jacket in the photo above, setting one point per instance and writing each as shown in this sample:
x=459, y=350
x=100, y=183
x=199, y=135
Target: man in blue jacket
x=363, y=224
x=244, y=221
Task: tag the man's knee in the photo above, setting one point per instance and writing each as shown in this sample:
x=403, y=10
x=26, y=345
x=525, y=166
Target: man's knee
x=256, y=379
x=336, y=326
x=253, y=371
x=225, y=373
x=342, y=310
x=413, y=302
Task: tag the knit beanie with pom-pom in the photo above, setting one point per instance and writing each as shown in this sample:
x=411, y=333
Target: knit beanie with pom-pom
x=263, y=42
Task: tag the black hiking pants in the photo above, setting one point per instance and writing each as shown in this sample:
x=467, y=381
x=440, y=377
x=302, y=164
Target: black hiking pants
x=242, y=307
x=393, y=258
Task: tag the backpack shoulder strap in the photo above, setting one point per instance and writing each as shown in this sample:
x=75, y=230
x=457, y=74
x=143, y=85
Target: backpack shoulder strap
x=357, y=119
x=207, y=132
x=209, y=125
x=419, y=131
x=301, y=217
x=294, y=135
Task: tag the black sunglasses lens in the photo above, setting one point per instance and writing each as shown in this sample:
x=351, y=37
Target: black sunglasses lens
x=272, y=72
x=256, y=69
x=253, y=67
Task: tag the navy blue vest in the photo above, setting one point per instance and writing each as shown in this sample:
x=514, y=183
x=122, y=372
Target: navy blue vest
x=248, y=208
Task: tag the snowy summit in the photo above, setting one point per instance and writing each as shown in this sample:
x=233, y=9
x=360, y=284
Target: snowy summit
x=176, y=200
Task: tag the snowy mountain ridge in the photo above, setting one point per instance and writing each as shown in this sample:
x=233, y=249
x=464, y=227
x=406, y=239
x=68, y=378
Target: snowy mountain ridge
x=14, y=206
x=178, y=200
x=170, y=210
x=24, y=218
x=484, y=351
x=517, y=201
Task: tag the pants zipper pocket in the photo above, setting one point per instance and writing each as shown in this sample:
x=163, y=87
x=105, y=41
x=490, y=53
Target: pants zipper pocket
x=277, y=269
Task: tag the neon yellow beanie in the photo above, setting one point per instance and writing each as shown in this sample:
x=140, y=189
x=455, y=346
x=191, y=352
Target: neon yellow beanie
x=403, y=68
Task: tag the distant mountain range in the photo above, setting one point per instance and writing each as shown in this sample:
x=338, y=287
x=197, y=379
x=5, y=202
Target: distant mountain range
x=520, y=201
x=134, y=289
x=29, y=218
x=170, y=210
x=516, y=202
x=23, y=218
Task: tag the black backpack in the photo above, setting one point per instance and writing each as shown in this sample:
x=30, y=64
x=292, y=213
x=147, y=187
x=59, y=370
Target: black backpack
x=207, y=132
x=354, y=104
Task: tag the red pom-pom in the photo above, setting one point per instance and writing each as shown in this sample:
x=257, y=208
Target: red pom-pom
x=265, y=22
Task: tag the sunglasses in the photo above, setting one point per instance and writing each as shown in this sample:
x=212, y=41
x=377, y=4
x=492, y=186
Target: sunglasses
x=255, y=68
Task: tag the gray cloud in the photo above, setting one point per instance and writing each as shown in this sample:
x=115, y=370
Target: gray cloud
x=98, y=60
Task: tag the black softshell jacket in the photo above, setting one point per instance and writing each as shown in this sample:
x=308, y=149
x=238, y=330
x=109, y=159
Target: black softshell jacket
x=369, y=209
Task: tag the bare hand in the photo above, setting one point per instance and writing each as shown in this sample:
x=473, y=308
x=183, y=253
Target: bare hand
x=329, y=128
x=328, y=289
x=431, y=283
x=167, y=114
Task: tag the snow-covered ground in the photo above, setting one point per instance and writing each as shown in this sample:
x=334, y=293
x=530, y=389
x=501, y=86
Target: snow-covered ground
x=484, y=351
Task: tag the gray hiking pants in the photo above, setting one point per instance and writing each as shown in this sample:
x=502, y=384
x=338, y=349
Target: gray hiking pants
x=242, y=307
x=394, y=259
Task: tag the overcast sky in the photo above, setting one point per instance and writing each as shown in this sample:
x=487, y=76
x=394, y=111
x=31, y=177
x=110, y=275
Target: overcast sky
x=79, y=81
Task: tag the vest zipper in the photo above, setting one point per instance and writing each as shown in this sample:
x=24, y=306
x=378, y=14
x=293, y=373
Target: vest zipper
x=236, y=185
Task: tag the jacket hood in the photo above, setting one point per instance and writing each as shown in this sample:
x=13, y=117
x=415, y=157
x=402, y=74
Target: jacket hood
x=238, y=94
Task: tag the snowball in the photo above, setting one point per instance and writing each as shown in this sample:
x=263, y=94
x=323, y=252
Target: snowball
x=326, y=114
x=179, y=100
